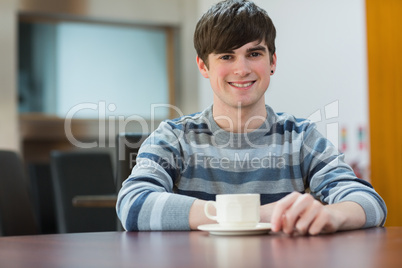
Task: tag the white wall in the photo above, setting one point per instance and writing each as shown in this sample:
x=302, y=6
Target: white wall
x=321, y=50
x=187, y=96
x=9, y=136
x=205, y=95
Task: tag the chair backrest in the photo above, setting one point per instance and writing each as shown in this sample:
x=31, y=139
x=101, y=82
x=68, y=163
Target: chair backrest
x=82, y=173
x=127, y=145
x=40, y=180
x=16, y=210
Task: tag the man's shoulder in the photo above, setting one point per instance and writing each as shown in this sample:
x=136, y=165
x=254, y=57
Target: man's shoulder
x=289, y=122
x=283, y=117
x=186, y=118
x=197, y=120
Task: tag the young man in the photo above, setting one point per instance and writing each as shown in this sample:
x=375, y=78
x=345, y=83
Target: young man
x=240, y=145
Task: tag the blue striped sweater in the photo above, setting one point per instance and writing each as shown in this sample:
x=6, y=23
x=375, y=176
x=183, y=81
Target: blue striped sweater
x=192, y=157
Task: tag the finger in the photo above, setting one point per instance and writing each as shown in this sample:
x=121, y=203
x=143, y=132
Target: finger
x=308, y=217
x=297, y=210
x=280, y=208
x=317, y=226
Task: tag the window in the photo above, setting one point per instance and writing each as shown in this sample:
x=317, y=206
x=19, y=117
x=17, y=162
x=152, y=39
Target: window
x=87, y=70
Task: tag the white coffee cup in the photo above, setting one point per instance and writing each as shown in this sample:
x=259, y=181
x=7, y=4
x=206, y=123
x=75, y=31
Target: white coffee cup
x=235, y=210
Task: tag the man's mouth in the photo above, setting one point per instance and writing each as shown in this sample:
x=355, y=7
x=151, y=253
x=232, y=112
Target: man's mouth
x=241, y=85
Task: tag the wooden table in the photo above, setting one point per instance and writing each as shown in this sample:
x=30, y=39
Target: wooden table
x=104, y=201
x=376, y=247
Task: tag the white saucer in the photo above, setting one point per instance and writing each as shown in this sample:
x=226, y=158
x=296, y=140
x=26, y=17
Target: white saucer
x=216, y=229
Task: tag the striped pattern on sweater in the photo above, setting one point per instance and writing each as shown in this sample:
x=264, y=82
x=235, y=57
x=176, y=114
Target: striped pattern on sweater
x=191, y=157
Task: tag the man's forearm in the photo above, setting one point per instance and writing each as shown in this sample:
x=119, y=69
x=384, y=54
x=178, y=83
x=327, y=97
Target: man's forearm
x=350, y=215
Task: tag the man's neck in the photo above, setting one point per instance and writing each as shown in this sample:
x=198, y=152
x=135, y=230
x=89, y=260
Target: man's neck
x=240, y=119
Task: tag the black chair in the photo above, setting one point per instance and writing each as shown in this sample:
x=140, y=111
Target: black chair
x=127, y=145
x=43, y=196
x=16, y=212
x=77, y=173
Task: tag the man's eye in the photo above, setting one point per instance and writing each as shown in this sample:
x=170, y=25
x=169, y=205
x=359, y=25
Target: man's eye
x=226, y=57
x=255, y=54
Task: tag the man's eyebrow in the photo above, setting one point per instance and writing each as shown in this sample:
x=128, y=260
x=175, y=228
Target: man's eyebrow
x=257, y=48
x=251, y=49
x=224, y=52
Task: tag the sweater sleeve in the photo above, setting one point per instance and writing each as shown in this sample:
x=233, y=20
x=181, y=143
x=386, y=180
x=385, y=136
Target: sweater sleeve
x=331, y=180
x=147, y=200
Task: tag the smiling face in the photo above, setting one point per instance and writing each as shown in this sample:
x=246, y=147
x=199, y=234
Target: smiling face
x=239, y=78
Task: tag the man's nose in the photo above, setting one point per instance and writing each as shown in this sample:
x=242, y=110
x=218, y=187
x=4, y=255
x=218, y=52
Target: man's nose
x=242, y=67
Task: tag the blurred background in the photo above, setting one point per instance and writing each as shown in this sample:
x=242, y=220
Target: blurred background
x=75, y=73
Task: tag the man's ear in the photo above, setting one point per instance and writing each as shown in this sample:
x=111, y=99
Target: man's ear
x=273, y=63
x=202, y=67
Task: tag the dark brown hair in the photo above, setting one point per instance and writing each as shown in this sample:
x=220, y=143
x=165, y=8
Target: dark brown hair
x=231, y=24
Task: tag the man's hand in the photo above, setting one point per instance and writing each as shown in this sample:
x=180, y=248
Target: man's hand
x=302, y=214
